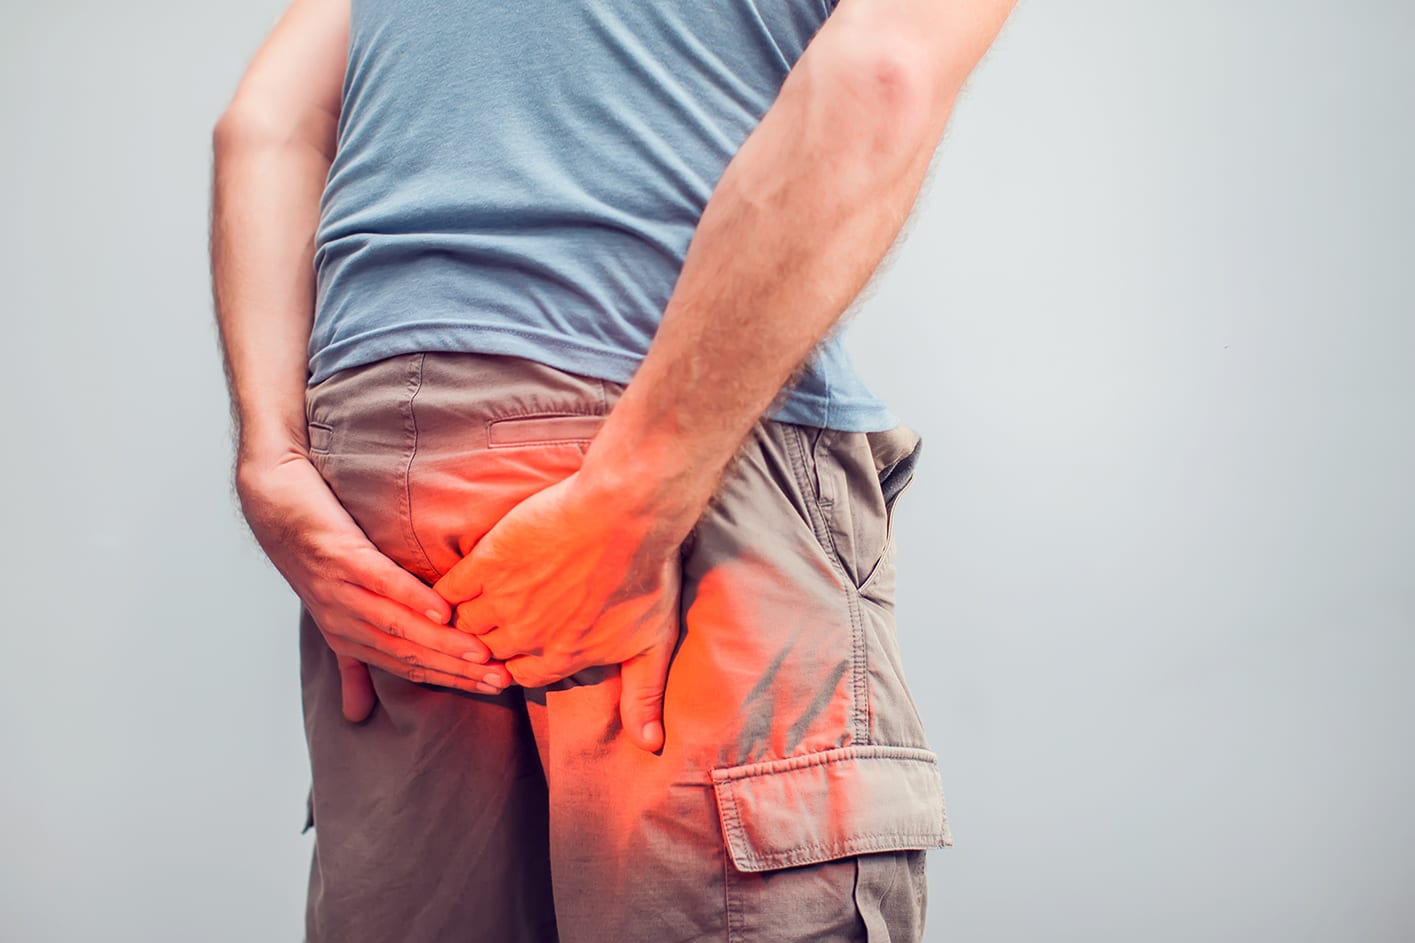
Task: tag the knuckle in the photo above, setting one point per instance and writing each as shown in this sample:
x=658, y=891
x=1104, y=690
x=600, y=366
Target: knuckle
x=409, y=658
x=416, y=675
x=393, y=629
x=522, y=673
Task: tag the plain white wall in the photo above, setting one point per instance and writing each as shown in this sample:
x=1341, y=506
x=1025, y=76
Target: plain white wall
x=1154, y=321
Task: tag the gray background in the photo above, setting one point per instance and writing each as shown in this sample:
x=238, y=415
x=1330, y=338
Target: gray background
x=1153, y=320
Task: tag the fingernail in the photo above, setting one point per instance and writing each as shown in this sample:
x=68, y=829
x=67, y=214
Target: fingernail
x=436, y=616
x=485, y=688
x=651, y=732
x=475, y=657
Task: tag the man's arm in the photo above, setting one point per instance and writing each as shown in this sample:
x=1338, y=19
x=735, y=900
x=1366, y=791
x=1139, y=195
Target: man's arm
x=272, y=151
x=272, y=147
x=797, y=223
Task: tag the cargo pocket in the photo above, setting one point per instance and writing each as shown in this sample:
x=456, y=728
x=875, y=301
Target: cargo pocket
x=804, y=815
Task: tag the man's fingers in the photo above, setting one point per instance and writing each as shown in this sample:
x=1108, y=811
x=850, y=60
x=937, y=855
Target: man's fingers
x=474, y=616
x=641, y=697
x=401, y=657
x=406, y=640
x=377, y=573
x=502, y=645
x=356, y=690
x=533, y=671
x=419, y=673
x=459, y=583
x=397, y=622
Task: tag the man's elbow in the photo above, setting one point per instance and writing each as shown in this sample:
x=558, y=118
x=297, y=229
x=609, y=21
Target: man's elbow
x=912, y=94
x=911, y=60
x=886, y=110
x=249, y=122
x=245, y=123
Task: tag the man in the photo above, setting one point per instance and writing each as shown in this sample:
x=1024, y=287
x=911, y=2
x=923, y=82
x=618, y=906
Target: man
x=530, y=314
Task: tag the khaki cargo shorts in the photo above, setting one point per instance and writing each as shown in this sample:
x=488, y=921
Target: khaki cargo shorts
x=796, y=794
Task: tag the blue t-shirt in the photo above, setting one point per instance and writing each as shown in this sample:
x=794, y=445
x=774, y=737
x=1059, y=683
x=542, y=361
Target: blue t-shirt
x=524, y=178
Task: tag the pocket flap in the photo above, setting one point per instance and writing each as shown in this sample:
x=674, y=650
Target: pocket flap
x=831, y=804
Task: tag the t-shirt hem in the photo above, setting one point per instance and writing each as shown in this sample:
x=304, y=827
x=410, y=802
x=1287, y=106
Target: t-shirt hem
x=801, y=407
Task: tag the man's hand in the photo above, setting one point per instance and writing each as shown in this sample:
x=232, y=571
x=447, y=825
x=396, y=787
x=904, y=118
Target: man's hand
x=369, y=609
x=567, y=580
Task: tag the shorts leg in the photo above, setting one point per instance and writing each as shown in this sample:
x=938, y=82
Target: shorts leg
x=795, y=794
x=429, y=818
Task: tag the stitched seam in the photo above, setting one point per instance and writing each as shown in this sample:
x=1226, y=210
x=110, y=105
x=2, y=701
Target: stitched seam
x=733, y=824
x=825, y=758
x=542, y=413
x=834, y=547
x=796, y=453
x=859, y=664
x=876, y=841
x=859, y=682
x=812, y=854
x=408, y=473
x=565, y=440
x=727, y=897
x=943, y=826
x=731, y=830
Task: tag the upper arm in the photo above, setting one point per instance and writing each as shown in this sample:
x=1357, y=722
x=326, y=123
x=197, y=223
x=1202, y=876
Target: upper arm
x=293, y=85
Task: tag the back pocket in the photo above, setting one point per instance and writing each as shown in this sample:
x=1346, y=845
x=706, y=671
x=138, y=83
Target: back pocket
x=542, y=429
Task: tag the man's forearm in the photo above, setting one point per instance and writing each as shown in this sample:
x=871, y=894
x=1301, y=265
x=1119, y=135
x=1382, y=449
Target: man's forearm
x=797, y=224
x=265, y=206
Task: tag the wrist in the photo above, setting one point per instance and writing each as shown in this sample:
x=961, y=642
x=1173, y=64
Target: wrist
x=659, y=499
x=259, y=462
x=653, y=460
x=268, y=445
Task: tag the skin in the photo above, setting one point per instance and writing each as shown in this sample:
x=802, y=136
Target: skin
x=586, y=571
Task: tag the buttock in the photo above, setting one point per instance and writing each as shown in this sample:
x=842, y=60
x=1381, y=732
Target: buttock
x=795, y=761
